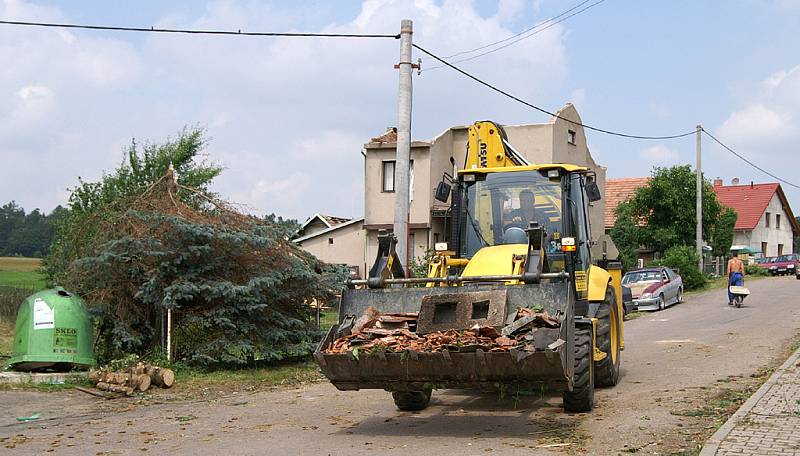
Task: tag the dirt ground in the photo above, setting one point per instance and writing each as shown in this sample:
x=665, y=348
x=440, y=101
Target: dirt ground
x=683, y=368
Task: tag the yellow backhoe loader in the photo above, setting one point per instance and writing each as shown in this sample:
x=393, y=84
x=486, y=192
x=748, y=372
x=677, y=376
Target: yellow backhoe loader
x=519, y=240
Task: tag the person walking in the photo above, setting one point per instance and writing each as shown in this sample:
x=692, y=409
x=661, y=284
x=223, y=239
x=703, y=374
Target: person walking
x=735, y=276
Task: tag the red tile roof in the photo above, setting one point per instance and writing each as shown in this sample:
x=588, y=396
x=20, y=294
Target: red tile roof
x=618, y=191
x=751, y=201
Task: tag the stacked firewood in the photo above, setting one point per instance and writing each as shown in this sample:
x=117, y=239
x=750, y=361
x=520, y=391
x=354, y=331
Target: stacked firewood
x=138, y=378
x=394, y=333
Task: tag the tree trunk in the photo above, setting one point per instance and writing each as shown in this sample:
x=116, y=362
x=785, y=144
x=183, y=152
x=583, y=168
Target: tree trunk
x=127, y=390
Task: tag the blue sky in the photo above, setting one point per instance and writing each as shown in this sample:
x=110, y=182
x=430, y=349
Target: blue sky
x=287, y=117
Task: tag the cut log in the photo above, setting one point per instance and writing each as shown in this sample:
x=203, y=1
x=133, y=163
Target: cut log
x=141, y=382
x=163, y=377
x=126, y=390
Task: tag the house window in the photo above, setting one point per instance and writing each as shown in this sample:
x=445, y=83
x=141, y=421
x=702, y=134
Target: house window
x=388, y=177
x=764, y=249
x=767, y=214
x=571, y=137
x=389, y=174
x=780, y=249
x=777, y=221
x=411, y=255
x=330, y=241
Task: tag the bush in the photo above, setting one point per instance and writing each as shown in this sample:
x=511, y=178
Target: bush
x=755, y=270
x=684, y=259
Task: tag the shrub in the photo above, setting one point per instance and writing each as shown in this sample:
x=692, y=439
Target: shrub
x=755, y=270
x=684, y=259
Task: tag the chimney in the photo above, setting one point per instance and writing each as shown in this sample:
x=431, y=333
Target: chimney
x=735, y=181
x=718, y=182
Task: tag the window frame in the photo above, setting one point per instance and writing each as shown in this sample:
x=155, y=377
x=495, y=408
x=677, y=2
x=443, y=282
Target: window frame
x=383, y=175
x=767, y=214
x=572, y=137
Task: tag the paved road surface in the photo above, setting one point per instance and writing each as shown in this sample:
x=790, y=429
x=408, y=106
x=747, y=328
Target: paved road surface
x=675, y=360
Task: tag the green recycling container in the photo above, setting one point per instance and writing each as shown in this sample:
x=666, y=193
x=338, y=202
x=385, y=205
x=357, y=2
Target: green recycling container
x=54, y=332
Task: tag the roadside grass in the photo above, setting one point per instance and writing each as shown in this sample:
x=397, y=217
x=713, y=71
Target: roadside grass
x=6, y=340
x=633, y=315
x=247, y=379
x=720, y=283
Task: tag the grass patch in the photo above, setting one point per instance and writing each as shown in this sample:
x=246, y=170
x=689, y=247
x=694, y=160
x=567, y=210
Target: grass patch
x=633, y=315
x=248, y=378
x=720, y=283
x=328, y=319
x=69, y=383
x=32, y=280
x=6, y=340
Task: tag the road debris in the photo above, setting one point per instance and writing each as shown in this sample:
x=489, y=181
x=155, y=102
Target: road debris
x=395, y=332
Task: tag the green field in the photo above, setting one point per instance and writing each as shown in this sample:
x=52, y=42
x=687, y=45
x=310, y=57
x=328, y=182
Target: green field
x=21, y=273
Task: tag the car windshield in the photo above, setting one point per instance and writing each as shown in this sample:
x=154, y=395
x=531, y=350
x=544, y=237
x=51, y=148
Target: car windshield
x=642, y=276
x=499, y=207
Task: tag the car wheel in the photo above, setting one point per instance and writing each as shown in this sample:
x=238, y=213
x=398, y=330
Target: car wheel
x=679, y=298
x=661, y=304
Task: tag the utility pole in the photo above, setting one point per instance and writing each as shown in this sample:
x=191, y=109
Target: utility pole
x=699, y=233
x=403, y=154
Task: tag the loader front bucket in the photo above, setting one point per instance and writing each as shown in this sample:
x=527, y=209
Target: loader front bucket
x=410, y=370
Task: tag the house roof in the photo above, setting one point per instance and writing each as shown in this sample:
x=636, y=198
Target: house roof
x=328, y=230
x=751, y=201
x=618, y=191
x=328, y=220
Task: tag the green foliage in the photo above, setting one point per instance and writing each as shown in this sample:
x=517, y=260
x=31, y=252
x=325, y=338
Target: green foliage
x=419, y=265
x=722, y=236
x=625, y=235
x=93, y=203
x=755, y=270
x=797, y=239
x=683, y=259
x=662, y=215
x=28, y=235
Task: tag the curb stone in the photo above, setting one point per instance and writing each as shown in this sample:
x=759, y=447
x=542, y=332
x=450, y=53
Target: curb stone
x=712, y=444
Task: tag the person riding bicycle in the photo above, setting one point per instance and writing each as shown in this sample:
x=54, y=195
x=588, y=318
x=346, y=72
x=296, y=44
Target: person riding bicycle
x=735, y=276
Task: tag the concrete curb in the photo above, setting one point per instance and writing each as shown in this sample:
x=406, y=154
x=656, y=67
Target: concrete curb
x=27, y=377
x=712, y=445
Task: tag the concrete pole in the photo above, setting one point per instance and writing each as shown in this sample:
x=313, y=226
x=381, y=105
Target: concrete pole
x=699, y=232
x=403, y=154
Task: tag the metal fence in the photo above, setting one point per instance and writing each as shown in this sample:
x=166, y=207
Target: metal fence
x=715, y=266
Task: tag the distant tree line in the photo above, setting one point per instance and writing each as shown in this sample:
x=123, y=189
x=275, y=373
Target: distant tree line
x=27, y=234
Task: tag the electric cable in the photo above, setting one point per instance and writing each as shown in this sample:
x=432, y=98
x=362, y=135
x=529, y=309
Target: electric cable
x=518, y=39
x=535, y=26
x=196, y=31
x=542, y=110
x=748, y=161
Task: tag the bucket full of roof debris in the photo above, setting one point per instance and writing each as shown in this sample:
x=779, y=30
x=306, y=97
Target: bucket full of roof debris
x=473, y=336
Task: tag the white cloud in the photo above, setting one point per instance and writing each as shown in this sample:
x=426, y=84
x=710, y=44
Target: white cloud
x=754, y=122
x=272, y=106
x=659, y=155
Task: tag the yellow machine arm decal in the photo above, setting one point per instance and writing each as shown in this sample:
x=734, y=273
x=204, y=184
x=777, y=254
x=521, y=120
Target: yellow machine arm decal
x=598, y=281
x=486, y=148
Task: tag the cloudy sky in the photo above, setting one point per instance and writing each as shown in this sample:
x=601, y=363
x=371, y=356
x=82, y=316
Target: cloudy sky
x=287, y=116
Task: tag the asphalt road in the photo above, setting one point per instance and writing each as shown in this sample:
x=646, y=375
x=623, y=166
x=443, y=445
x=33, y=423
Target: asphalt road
x=675, y=360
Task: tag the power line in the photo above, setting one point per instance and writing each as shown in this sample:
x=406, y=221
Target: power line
x=535, y=26
x=195, y=31
x=466, y=59
x=748, y=161
x=542, y=110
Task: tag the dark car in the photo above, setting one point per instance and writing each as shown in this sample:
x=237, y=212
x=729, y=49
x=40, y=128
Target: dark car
x=627, y=300
x=783, y=265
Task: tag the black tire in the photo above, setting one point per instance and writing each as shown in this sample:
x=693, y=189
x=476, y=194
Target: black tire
x=606, y=371
x=581, y=398
x=679, y=299
x=411, y=401
x=738, y=301
x=661, y=303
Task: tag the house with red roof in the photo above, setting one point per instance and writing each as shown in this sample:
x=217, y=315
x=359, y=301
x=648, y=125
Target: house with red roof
x=766, y=223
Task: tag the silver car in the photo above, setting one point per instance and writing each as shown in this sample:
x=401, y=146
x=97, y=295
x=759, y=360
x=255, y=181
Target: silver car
x=654, y=288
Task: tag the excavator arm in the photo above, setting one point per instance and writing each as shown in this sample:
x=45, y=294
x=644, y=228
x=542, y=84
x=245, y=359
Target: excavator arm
x=488, y=147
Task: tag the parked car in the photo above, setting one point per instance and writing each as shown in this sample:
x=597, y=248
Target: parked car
x=784, y=264
x=654, y=288
x=627, y=300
